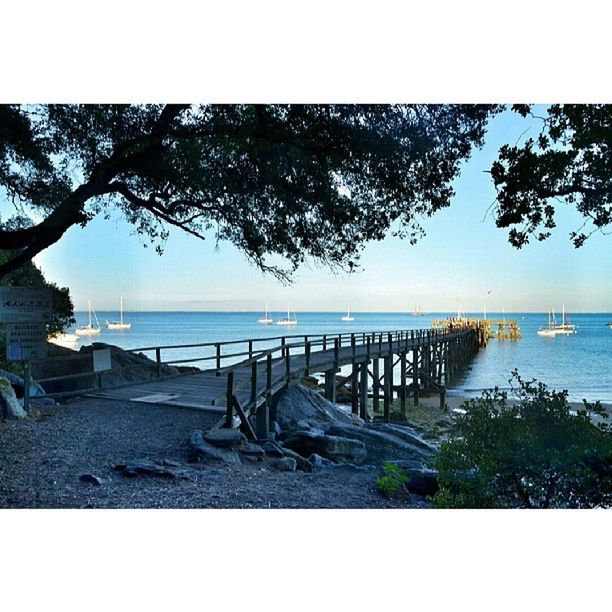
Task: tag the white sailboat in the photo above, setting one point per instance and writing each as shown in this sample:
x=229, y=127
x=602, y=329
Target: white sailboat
x=119, y=324
x=417, y=312
x=549, y=331
x=89, y=330
x=347, y=316
x=566, y=327
x=288, y=320
x=266, y=319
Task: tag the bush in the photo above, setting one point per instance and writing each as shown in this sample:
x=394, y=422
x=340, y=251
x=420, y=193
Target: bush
x=538, y=453
x=392, y=479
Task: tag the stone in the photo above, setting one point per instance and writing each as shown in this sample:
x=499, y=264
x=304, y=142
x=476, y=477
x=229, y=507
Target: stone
x=272, y=449
x=296, y=403
x=145, y=467
x=303, y=424
x=277, y=429
x=303, y=464
x=252, y=458
x=198, y=448
x=225, y=437
x=423, y=482
x=318, y=463
x=10, y=407
x=251, y=448
x=384, y=444
x=335, y=448
x=90, y=478
x=285, y=464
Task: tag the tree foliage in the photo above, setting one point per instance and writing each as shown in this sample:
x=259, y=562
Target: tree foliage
x=538, y=453
x=569, y=162
x=294, y=181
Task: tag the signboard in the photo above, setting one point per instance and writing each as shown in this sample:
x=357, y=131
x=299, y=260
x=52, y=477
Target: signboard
x=101, y=360
x=24, y=304
x=25, y=341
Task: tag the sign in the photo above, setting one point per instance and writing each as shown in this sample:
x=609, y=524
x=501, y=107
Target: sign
x=24, y=304
x=101, y=360
x=25, y=341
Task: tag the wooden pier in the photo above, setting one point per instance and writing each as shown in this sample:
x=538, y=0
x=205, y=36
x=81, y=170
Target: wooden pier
x=243, y=383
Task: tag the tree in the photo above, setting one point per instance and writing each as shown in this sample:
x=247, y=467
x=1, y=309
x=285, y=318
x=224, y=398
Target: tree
x=29, y=275
x=291, y=180
x=538, y=453
x=570, y=162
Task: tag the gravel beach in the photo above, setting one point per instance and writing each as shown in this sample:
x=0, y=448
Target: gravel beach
x=44, y=456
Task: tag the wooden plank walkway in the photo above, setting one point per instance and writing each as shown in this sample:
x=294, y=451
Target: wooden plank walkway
x=253, y=381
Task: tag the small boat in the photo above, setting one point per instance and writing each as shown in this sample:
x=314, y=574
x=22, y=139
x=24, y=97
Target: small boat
x=549, y=331
x=119, y=324
x=89, y=330
x=609, y=325
x=417, y=312
x=566, y=327
x=266, y=319
x=347, y=316
x=65, y=340
x=288, y=320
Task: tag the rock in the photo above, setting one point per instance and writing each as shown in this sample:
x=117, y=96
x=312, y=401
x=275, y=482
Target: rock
x=303, y=464
x=297, y=403
x=272, y=449
x=251, y=448
x=336, y=448
x=285, y=464
x=277, y=429
x=225, y=437
x=303, y=424
x=10, y=408
x=318, y=463
x=198, y=449
x=384, y=445
x=252, y=458
x=91, y=478
x=423, y=482
x=144, y=467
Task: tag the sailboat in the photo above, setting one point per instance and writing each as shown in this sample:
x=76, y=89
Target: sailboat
x=417, y=312
x=566, y=327
x=347, y=316
x=288, y=320
x=549, y=331
x=118, y=324
x=266, y=319
x=89, y=330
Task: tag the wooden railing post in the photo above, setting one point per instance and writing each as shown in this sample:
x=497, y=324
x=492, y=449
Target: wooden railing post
x=229, y=414
x=287, y=364
x=254, y=382
x=325, y=342
x=218, y=361
x=250, y=349
x=307, y=350
x=158, y=361
x=336, y=353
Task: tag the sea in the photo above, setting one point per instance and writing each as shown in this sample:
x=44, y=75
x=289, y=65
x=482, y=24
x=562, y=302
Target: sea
x=580, y=363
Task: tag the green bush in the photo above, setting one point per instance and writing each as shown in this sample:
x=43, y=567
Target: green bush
x=537, y=453
x=392, y=479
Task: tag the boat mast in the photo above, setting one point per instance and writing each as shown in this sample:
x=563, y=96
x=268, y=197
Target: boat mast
x=89, y=311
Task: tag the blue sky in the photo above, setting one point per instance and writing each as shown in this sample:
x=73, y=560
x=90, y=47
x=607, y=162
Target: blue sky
x=463, y=256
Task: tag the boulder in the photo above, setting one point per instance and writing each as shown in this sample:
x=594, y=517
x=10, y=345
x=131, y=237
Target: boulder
x=198, y=448
x=296, y=403
x=303, y=464
x=318, y=463
x=335, y=448
x=250, y=448
x=145, y=467
x=10, y=407
x=225, y=437
x=91, y=479
x=384, y=444
x=422, y=482
x=285, y=464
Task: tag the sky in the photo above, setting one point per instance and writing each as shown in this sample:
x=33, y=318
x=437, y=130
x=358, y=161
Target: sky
x=462, y=259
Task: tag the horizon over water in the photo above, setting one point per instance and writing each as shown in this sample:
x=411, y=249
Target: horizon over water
x=580, y=363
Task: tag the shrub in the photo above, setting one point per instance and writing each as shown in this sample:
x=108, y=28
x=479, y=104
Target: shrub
x=537, y=453
x=392, y=479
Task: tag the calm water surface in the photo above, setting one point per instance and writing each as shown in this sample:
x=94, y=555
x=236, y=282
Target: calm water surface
x=581, y=363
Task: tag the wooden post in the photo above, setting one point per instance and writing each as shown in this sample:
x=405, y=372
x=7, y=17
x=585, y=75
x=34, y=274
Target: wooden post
x=363, y=391
x=307, y=349
x=376, y=384
x=283, y=346
x=324, y=342
x=158, y=361
x=253, y=382
x=229, y=415
x=287, y=364
x=388, y=387
x=354, y=389
x=403, y=405
x=330, y=385
x=262, y=418
x=250, y=349
x=218, y=359
x=336, y=353
x=415, y=375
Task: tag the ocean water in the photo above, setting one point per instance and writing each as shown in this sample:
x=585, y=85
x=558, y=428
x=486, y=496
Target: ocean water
x=580, y=363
